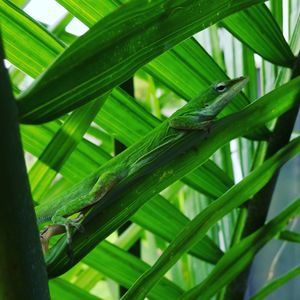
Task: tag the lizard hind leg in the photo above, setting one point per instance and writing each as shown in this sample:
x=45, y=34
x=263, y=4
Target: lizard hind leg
x=82, y=204
x=47, y=233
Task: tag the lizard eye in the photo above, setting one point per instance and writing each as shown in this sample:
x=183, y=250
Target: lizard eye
x=221, y=87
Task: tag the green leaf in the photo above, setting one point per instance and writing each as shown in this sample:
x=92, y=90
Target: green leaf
x=290, y=236
x=34, y=48
x=275, y=284
x=249, y=69
x=261, y=32
x=62, y=289
x=125, y=268
x=120, y=106
x=91, y=11
x=186, y=60
x=240, y=255
x=94, y=64
x=155, y=216
x=60, y=148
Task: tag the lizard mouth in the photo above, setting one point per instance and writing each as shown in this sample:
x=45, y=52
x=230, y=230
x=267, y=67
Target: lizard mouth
x=238, y=83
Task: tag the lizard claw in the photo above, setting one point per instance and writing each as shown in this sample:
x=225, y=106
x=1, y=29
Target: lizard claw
x=68, y=224
x=74, y=223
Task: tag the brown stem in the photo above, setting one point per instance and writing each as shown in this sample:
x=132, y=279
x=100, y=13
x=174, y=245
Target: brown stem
x=259, y=205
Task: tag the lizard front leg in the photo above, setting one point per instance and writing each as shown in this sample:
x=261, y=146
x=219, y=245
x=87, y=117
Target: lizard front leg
x=52, y=230
x=190, y=123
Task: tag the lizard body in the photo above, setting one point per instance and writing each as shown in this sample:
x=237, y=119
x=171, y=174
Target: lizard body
x=195, y=115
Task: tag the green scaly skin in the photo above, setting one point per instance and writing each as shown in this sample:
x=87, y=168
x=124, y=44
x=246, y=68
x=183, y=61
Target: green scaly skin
x=195, y=115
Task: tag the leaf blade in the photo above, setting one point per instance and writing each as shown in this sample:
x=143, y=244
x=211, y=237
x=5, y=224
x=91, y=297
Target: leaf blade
x=162, y=25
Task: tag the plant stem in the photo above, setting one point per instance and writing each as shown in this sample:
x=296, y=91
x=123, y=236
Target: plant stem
x=259, y=205
x=22, y=267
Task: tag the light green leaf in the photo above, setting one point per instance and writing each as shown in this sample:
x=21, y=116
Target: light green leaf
x=125, y=268
x=60, y=148
x=34, y=48
x=261, y=32
x=62, y=289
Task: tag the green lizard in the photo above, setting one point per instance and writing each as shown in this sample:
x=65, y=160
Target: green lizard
x=195, y=115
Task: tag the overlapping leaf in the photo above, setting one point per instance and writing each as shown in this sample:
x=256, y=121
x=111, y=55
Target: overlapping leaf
x=94, y=64
x=194, y=231
x=265, y=36
x=115, y=114
x=124, y=268
x=237, y=258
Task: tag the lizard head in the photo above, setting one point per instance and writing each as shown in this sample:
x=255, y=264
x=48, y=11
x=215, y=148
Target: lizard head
x=234, y=84
x=220, y=94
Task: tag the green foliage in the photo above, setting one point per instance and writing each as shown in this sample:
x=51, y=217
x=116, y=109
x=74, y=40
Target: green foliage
x=75, y=109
